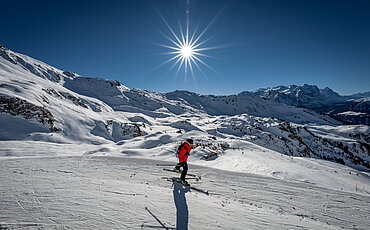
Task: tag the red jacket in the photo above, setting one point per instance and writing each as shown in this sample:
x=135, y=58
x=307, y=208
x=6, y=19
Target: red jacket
x=184, y=152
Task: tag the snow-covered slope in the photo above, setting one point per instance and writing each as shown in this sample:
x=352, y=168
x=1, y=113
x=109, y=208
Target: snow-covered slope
x=87, y=192
x=356, y=108
x=41, y=103
x=30, y=91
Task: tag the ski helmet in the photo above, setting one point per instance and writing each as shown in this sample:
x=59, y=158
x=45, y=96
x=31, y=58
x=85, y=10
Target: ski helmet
x=190, y=141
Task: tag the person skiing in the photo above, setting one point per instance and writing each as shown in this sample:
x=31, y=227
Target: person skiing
x=183, y=152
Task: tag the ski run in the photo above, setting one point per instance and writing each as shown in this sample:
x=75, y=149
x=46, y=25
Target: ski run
x=87, y=192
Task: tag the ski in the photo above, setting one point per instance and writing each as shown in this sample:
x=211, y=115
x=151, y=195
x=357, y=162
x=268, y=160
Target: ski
x=190, y=186
x=166, y=165
x=188, y=174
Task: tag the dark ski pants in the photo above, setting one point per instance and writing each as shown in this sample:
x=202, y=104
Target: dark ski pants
x=184, y=166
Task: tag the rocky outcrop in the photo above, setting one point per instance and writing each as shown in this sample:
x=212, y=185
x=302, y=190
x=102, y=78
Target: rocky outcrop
x=18, y=107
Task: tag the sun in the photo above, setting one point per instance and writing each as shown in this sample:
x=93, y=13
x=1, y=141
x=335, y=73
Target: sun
x=187, y=47
x=186, y=51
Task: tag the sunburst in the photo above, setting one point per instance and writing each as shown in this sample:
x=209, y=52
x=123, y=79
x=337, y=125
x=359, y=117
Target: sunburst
x=186, y=47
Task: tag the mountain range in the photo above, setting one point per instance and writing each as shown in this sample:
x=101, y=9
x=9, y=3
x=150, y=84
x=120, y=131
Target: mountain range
x=39, y=102
x=353, y=109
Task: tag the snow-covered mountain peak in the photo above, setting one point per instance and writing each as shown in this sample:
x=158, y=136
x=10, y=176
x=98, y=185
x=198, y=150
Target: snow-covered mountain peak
x=53, y=74
x=35, y=67
x=320, y=100
x=329, y=94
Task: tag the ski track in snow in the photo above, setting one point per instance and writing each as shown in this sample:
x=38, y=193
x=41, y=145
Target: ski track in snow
x=86, y=192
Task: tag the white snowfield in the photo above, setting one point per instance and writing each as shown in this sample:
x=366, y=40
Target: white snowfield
x=82, y=153
x=86, y=192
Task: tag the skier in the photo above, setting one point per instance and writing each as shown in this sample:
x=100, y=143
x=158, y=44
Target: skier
x=183, y=152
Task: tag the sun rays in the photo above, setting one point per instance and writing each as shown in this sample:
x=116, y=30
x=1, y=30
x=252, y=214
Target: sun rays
x=186, y=47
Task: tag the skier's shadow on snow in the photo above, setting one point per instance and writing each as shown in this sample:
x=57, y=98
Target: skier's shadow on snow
x=182, y=210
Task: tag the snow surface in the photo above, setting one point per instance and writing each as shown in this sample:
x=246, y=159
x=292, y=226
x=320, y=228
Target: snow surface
x=351, y=113
x=78, y=152
x=87, y=192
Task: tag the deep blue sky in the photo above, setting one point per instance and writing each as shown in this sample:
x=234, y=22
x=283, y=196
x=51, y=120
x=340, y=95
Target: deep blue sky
x=267, y=42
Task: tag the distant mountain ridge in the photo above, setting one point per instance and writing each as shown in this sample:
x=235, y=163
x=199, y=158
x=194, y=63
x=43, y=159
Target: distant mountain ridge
x=353, y=108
